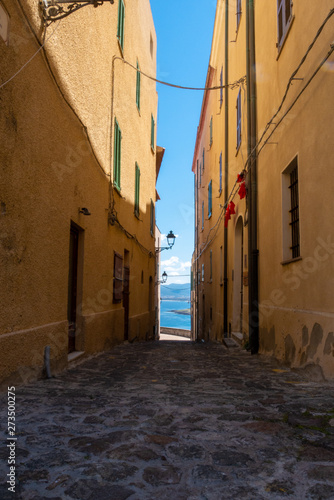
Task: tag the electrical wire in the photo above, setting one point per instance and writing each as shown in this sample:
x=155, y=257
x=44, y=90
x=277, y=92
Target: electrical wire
x=232, y=85
x=31, y=58
x=133, y=237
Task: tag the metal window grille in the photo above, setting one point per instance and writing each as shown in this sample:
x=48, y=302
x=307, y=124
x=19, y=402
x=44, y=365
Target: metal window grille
x=294, y=213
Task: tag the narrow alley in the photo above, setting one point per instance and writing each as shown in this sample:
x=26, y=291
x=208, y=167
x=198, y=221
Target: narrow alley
x=174, y=420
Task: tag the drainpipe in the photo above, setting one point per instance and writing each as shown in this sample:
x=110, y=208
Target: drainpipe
x=226, y=167
x=253, y=252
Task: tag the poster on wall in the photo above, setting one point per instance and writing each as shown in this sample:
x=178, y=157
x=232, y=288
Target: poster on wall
x=4, y=24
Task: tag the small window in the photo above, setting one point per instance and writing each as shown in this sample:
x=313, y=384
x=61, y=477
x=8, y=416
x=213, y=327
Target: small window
x=137, y=190
x=152, y=132
x=192, y=280
x=210, y=199
x=284, y=18
x=239, y=11
x=138, y=87
x=117, y=156
x=120, y=24
x=203, y=158
x=118, y=278
x=152, y=218
x=211, y=132
x=294, y=213
x=291, y=233
x=220, y=172
x=202, y=215
x=221, y=87
x=200, y=174
x=239, y=119
x=202, y=272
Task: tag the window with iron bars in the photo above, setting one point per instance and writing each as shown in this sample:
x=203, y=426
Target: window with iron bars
x=294, y=213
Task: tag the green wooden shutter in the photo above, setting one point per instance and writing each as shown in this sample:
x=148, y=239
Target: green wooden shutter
x=120, y=25
x=138, y=88
x=137, y=189
x=211, y=132
x=117, y=155
x=152, y=218
x=152, y=132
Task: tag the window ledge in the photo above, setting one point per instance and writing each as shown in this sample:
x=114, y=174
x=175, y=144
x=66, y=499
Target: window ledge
x=117, y=189
x=290, y=261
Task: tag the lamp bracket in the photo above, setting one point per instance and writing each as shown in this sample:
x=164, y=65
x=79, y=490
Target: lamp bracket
x=54, y=10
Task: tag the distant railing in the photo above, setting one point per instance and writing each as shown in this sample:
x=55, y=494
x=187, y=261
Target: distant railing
x=178, y=332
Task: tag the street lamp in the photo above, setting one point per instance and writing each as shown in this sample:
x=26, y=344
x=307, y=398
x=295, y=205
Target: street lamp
x=54, y=11
x=170, y=240
x=164, y=278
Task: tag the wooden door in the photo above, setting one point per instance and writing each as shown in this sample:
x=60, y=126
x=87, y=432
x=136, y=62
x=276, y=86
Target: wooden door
x=126, y=300
x=72, y=288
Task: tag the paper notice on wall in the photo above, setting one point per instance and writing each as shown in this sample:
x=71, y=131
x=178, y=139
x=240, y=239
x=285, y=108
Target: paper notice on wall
x=4, y=24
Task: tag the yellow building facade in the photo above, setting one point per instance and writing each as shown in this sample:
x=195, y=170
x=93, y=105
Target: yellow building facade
x=79, y=168
x=264, y=275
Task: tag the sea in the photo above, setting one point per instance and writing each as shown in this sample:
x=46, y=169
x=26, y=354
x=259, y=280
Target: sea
x=173, y=320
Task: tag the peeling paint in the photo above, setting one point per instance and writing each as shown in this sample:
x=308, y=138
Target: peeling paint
x=329, y=344
x=315, y=340
x=290, y=349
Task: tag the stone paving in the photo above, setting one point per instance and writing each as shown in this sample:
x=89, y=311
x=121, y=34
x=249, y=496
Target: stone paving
x=172, y=421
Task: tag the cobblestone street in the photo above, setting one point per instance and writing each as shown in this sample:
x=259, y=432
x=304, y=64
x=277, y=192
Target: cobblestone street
x=172, y=420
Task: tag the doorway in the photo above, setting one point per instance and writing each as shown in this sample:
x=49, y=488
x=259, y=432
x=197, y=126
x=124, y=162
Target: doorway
x=238, y=278
x=126, y=300
x=72, y=287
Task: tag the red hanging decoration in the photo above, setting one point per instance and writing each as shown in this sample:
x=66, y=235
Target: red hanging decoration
x=242, y=190
x=231, y=208
x=240, y=177
x=227, y=215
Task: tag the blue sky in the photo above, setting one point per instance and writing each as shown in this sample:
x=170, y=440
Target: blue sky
x=184, y=32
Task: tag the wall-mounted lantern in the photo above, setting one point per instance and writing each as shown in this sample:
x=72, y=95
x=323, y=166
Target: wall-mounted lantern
x=170, y=240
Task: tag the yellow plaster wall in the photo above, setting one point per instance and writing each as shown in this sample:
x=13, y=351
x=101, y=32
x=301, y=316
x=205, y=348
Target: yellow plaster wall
x=49, y=169
x=295, y=300
x=297, y=297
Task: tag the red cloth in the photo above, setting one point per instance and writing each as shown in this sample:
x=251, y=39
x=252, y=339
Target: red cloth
x=242, y=190
x=240, y=177
x=231, y=208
